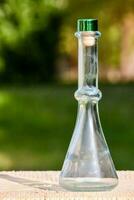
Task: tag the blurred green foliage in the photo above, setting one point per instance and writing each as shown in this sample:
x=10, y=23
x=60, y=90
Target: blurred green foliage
x=29, y=37
x=36, y=125
x=33, y=34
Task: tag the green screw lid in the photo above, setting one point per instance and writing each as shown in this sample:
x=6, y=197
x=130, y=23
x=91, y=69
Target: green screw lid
x=87, y=25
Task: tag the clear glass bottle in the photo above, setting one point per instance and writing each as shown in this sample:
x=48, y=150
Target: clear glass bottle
x=88, y=165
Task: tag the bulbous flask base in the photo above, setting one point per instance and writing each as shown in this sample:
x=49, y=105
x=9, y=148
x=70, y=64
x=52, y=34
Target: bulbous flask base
x=81, y=184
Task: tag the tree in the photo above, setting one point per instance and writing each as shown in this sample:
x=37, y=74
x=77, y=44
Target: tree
x=29, y=36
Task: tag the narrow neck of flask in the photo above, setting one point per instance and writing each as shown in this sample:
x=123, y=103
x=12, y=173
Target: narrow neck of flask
x=87, y=59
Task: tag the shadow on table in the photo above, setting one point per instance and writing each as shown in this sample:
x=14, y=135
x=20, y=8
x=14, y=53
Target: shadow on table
x=33, y=184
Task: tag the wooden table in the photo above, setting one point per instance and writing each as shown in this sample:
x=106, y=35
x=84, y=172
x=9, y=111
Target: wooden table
x=28, y=185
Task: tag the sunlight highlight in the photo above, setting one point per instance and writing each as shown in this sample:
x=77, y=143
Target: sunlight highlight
x=5, y=161
x=4, y=98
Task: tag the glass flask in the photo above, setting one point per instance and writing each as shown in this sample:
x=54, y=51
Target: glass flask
x=88, y=165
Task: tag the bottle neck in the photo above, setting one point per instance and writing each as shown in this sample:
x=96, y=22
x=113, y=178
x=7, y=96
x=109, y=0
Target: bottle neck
x=87, y=59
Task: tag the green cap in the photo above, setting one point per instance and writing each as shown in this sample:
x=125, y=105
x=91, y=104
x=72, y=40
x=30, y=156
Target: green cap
x=87, y=25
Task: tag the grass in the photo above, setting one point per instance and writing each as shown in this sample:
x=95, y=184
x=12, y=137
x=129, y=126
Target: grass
x=36, y=124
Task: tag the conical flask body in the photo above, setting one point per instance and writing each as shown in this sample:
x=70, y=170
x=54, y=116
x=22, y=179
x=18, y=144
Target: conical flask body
x=88, y=165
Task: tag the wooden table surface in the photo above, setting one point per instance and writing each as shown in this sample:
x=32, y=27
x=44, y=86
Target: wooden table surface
x=43, y=185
